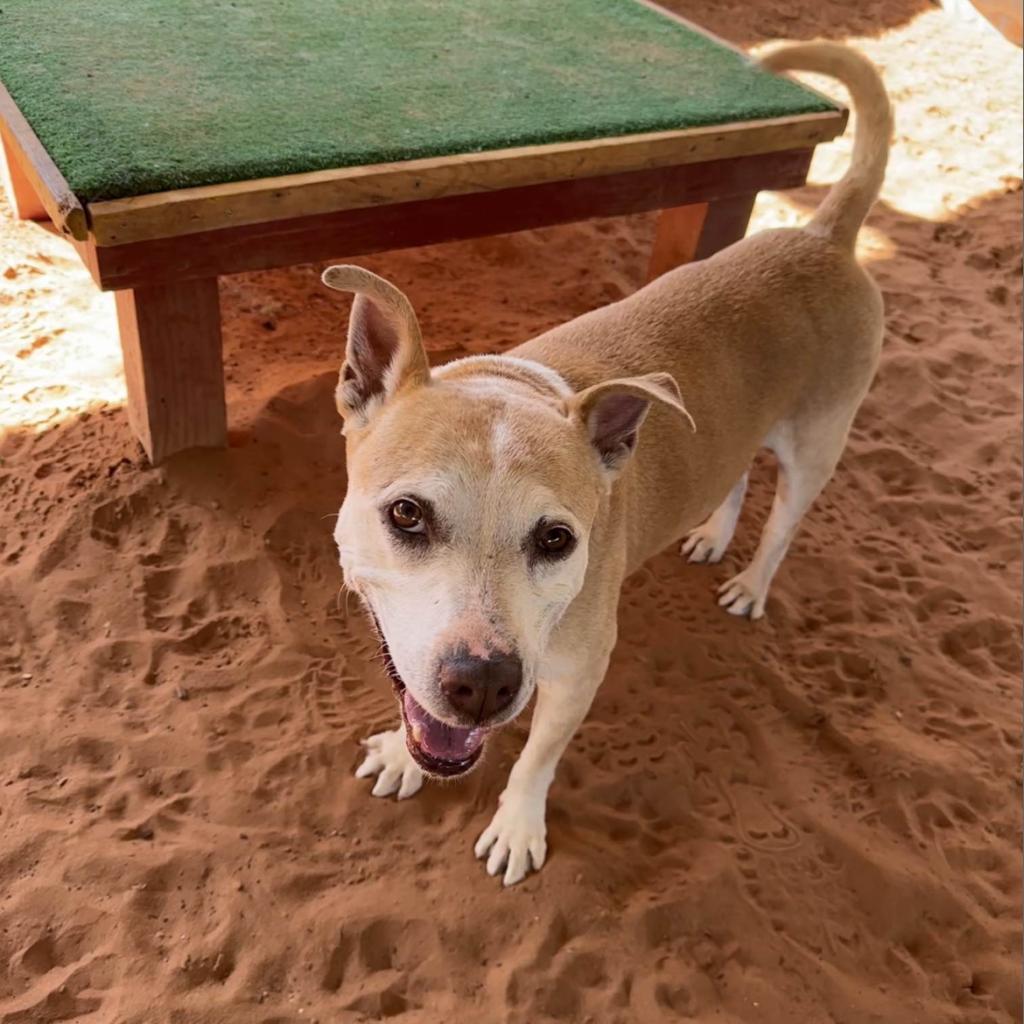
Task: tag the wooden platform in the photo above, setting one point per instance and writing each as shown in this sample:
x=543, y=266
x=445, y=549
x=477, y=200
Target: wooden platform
x=163, y=251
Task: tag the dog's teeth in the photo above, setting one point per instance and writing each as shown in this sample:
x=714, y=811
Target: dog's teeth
x=417, y=733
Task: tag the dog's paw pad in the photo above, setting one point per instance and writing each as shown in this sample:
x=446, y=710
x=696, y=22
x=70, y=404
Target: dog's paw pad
x=743, y=595
x=516, y=839
x=389, y=759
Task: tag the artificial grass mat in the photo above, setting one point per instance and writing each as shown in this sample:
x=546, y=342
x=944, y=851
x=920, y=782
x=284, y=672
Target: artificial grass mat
x=137, y=96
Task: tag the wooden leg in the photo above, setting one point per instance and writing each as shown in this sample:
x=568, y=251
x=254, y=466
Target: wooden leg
x=170, y=337
x=20, y=193
x=687, y=233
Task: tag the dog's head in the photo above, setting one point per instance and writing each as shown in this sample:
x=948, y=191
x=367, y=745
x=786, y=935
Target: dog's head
x=466, y=526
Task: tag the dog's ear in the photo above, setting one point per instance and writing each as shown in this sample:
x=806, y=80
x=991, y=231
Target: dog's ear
x=384, y=353
x=611, y=413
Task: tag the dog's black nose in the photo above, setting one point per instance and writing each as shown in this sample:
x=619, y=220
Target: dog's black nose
x=480, y=688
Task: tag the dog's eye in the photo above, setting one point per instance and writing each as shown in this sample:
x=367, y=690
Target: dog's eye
x=407, y=516
x=553, y=540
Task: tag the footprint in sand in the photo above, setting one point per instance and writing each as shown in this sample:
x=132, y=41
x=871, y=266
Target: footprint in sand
x=725, y=767
x=379, y=958
x=120, y=521
x=58, y=975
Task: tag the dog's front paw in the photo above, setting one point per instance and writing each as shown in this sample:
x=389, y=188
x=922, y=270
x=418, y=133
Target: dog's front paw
x=515, y=838
x=744, y=594
x=389, y=759
x=705, y=544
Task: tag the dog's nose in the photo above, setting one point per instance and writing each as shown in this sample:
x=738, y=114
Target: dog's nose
x=480, y=688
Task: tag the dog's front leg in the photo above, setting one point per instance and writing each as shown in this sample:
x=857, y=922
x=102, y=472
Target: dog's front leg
x=517, y=834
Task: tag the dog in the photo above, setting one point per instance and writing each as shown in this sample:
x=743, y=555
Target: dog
x=496, y=504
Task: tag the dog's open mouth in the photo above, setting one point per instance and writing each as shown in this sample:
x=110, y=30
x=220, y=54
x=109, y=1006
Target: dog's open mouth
x=437, y=747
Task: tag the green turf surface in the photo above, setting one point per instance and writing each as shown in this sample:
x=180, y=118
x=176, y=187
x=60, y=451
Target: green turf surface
x=136, y=96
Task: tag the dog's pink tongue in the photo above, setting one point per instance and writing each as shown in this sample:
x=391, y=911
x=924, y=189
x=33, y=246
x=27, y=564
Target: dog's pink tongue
x=439, y=739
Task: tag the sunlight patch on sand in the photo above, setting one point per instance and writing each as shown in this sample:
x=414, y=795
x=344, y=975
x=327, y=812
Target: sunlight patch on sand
x=59, y=350
x=932, y=109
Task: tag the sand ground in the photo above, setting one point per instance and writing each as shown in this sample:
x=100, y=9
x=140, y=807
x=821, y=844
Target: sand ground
x=811, y=819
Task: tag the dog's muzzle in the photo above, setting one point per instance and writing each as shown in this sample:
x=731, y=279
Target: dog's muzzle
x=440, y=749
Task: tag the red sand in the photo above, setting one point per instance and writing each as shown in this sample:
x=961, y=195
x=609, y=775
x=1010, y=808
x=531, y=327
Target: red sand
x=811, y=819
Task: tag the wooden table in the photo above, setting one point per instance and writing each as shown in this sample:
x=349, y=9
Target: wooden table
x=161, y=253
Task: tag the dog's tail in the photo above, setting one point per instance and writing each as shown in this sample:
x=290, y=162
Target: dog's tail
x=843, y=211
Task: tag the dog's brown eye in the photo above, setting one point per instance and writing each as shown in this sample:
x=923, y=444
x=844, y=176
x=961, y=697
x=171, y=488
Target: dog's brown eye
x=554, y=540
x=407, y=516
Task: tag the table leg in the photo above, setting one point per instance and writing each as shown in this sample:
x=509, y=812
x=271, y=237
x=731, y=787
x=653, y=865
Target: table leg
x=20, y=193
x=170, y=338
x=687, y=233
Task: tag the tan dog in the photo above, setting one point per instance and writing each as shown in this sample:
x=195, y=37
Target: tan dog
x=496, y=504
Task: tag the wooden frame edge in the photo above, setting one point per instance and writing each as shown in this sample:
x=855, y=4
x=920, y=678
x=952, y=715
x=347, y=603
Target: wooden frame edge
x=236, y=204
x=60, y=203
x=357, y=232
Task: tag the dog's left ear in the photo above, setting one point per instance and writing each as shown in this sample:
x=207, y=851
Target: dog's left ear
x=613, y=411
x=384, y=353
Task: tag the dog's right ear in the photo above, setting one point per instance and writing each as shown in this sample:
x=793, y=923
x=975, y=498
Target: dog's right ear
x=384, y=353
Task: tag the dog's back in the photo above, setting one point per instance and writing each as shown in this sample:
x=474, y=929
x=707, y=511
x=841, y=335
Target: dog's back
x=775, y=327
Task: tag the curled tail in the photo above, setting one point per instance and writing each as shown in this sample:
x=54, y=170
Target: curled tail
x=843, y=211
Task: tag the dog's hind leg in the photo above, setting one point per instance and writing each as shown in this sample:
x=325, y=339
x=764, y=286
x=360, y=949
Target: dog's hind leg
x=708, y=542
x=807, y=453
